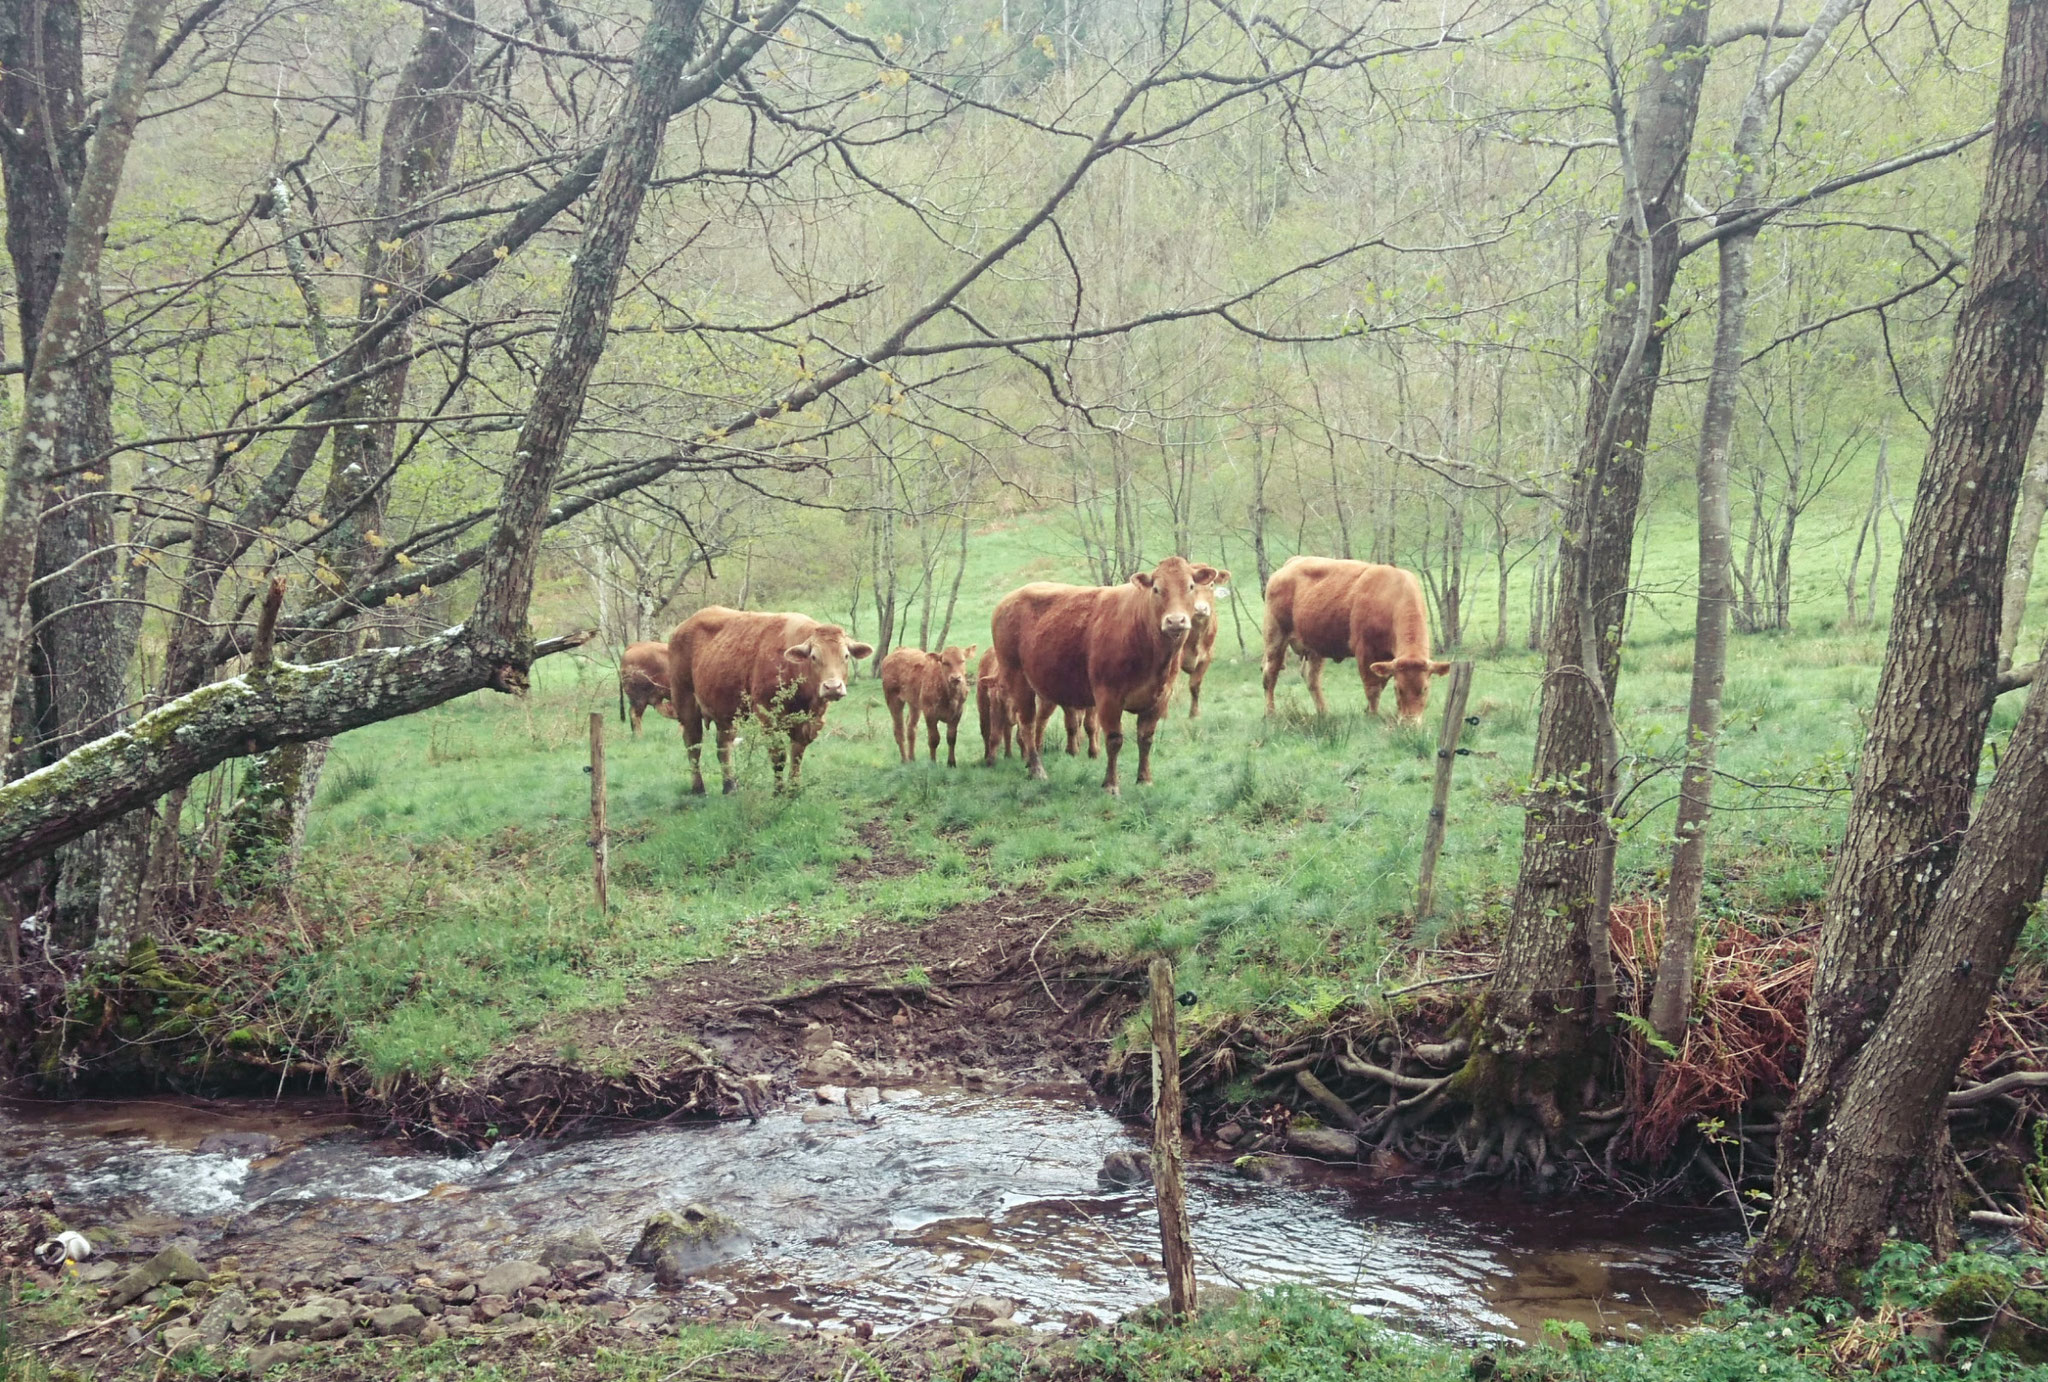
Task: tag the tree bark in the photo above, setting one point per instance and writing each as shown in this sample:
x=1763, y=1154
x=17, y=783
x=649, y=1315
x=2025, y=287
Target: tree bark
x=1671, y=1003
x=1926, y=732
x=268, y=819
x=69, y=340
x=2026, y=539
x=1544, y=1014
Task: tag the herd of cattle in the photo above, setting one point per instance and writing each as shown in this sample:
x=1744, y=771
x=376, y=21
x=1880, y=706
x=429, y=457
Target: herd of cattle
x=1094, y=652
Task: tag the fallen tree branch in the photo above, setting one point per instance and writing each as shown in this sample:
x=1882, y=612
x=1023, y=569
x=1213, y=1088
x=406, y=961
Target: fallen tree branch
x=1991, y=1089
x=1437, y=983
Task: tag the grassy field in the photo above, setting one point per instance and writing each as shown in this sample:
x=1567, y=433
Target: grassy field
x=446, y=903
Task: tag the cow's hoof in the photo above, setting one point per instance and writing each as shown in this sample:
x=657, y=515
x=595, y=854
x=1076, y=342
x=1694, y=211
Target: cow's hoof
x=730, y=788
x=697, y=790
x=1114, y=790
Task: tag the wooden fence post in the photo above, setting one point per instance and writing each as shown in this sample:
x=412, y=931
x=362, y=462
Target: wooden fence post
x=1446, y=754
x=1176, y=1250
x=600, y=838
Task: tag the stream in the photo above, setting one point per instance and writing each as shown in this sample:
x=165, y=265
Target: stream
x=939, y=1197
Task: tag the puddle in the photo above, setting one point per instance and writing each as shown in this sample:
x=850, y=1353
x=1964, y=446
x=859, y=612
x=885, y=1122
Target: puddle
x=941, y=1197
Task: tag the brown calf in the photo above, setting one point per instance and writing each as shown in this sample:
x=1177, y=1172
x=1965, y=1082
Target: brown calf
x=643, y=681
x=1201, y=648
x=1113, y=648
x=787, y=668
x=1324, y=608
x=933, y=685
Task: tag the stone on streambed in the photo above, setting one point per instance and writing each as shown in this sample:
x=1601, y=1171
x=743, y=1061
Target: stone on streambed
x=321, y=1317
x=1123, y=1169
x=834, y=1065
x=510, y=1278
x=267, y=1356
x=226, y=1313
x=181, y=1339
x=172, y=1265
x=401, y=1321
x=249, y=1144
x=1325, y=1144
x=583, y=1245
x=677, y=1244
x=985, y=1309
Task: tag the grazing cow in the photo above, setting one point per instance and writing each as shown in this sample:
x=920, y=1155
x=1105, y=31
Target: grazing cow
x=643, y=681
x=997, y=718
x=1112, y=648
x=787, y=668
x=1325, y=608
x=933, y=685
x=1201, y=649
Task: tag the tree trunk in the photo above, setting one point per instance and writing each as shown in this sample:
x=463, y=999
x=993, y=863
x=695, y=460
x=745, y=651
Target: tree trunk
x=2019, y=570
x=1671, y=1003
x=1545, y=1012
x=1926, y=732
x=66, y=351
x=267, y=822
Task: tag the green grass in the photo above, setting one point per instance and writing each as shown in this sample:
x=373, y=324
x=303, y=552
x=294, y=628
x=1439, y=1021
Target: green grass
x=446, y=902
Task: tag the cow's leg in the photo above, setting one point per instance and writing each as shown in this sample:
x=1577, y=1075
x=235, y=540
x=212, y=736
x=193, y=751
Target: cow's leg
x=1312, y=672
x=1109, y=714
x=910, y=731
x=1195, y=691
x=639, y=709
x=1041, y=714
x=726, y=732
x=1373, y=685
x=692, y=721
x=931, y=734
x=1148, y=721
x=1072, y=719
x=1024, y=706
x=1093, y=722
x=952, y=733
x=798, y=742
x=1276, y=657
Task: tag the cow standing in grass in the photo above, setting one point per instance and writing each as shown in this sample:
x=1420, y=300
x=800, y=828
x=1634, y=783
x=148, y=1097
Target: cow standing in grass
x=1112, y=648
x=1326, y=609
x=786, y=668
x=1200, y=652
x=644, y=681
x=934, y=685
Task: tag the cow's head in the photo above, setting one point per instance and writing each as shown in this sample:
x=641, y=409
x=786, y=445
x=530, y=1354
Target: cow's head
x=955, y=661
x=1410, y=676
x=1172, y=587
x=824, y=657
x=1205, y=595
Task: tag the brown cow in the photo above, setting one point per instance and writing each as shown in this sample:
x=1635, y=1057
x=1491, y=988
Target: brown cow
x=997, y=718
x=933, y=685
x=1325, y=608
x=1115, y=648
x=788, y=668
x=643, y=681
x=1201, y=649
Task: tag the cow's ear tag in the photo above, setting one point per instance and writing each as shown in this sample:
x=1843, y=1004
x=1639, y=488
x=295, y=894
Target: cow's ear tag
x=1223, y=592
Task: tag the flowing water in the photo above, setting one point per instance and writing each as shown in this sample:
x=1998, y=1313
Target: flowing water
x=941, y=1196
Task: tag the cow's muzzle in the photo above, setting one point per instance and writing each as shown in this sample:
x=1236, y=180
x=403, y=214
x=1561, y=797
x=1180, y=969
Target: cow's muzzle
x=1175, y=623
x=833, y=690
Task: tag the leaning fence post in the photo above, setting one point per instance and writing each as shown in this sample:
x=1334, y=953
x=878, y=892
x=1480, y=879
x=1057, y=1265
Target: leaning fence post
x=1440, y=799
x=600, y=840
x=1176, y=1250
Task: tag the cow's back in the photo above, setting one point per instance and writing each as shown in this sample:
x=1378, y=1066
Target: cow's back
x=645, y=662
x=1043, y=629
x=1389, y=618
x=1319, y=600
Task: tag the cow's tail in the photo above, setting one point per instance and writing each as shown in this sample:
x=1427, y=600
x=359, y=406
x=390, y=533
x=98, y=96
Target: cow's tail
x=622, y=692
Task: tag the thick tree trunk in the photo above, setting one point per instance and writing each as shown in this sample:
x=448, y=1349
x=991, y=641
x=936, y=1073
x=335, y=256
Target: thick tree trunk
x=1926, y=732
x=1863, y=1174
x=2026, y=539
x=1544, y=1013
x=268, y=819
x=78, y=660
x=1671, y=1002
x=67, y=344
